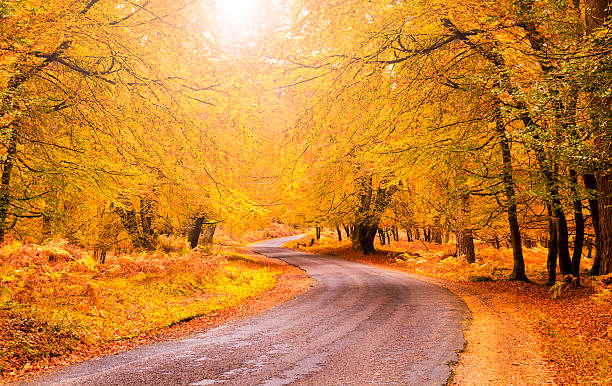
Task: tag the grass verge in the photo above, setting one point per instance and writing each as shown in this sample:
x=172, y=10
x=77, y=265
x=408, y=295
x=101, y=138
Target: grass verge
x=56, y=301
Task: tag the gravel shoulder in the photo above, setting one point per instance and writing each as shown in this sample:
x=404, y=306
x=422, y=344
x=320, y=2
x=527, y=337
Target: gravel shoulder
x=502, y=346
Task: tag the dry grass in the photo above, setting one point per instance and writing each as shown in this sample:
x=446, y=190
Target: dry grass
x=55, y=299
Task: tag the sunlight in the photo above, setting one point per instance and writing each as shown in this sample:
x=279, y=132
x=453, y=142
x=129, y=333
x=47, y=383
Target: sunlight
x=237, y=12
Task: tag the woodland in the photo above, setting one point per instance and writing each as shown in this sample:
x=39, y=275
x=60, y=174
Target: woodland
x=128, y=123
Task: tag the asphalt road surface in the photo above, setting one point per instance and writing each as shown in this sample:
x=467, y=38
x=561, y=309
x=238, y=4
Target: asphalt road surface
x=358, y=325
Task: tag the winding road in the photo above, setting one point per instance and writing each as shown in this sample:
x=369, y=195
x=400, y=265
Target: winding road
x=358, y=325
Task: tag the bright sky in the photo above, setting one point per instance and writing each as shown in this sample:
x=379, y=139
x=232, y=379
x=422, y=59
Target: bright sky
x=238, y=13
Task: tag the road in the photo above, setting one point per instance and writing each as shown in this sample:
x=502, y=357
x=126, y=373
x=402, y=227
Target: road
x=358, y=325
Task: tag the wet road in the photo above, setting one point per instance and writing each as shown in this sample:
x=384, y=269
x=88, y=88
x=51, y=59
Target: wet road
x=358, y=325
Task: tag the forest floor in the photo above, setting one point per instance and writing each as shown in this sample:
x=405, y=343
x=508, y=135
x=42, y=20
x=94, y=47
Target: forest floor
x=519, y=333
x=59, y=306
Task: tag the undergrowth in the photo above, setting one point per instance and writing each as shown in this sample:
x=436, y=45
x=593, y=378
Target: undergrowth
x=55, y=299
x=587, y=360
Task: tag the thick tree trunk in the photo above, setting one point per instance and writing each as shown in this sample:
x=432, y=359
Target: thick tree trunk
x=370, y=210
x=465, y=241
x=339, y=233
x=565, y=261
x=597, y=13
x=195, y=231
x=367, y=234
x=604, y=185
x=579, y=225
x=551, y=260
x=318, y=232
x=518, y=270
x=591, y=184
x=465, y=245
x=5, y=187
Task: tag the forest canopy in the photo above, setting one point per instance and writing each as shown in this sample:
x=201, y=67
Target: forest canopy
x=124, y=120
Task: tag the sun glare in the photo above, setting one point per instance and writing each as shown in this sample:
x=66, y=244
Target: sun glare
x=237, y=12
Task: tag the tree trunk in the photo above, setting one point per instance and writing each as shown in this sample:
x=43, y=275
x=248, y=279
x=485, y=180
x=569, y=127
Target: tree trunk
x=339, y=233
x=518, y=270
x=355, y=243
x=591, y=183
x=465, y=241
x=597, y=13
x=367, y=233
x=347, y=230
x=131, y=224
x=5, y=187
x=551, y=260
x=408, y=234
x=147, y=215
x=437, y=236
x=381, y=236
x=370, y=210
x=565, y=261
x=579, y=225
x=209, y=233
x=318, y=232
x=465, y=245
x=604, y=185
x=195, y=231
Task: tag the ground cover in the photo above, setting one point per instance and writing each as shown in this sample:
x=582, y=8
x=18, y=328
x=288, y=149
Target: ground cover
x=58, y=305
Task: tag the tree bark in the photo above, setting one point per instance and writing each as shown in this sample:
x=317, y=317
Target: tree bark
x=597, y=13
x=381, y=236
x=5, y=187
x=465, y=241
x=604, y=185
x=339, y=233
x=367, y=234
x=591, y=183
x=369, y=212
x=518, y=270
x=551, y=260
x=195, y=231
x=579, y=225
x=147, y=215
